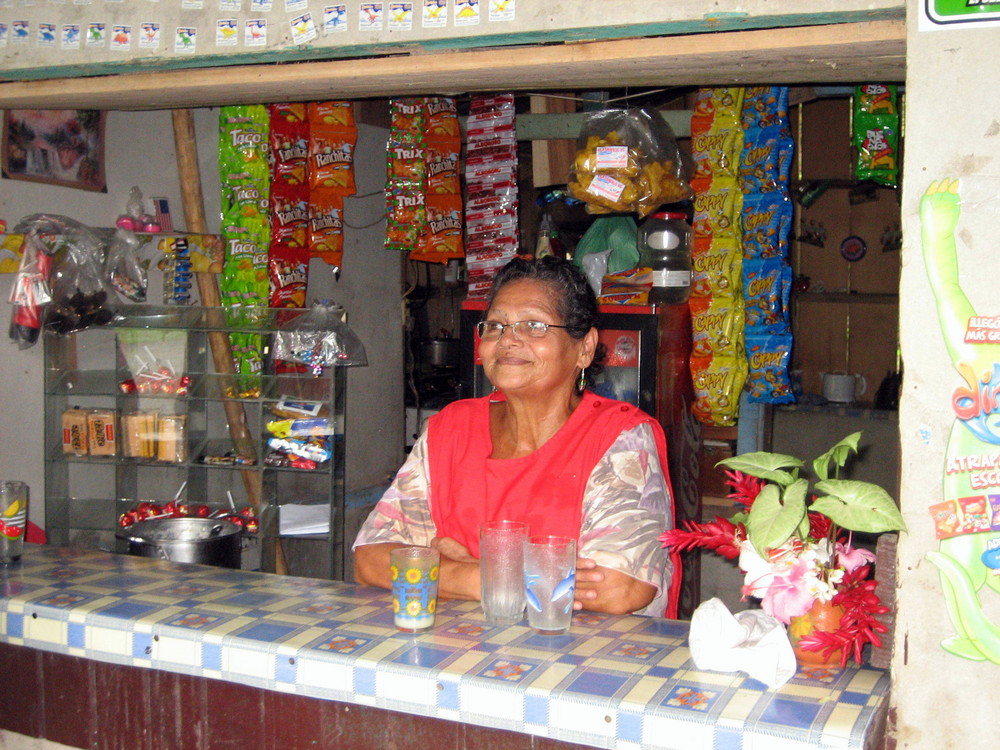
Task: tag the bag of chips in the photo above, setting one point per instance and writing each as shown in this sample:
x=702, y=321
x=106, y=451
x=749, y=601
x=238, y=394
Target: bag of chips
x=627, y=160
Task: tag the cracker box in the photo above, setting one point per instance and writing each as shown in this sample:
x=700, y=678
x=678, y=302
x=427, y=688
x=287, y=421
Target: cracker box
x=74, y=430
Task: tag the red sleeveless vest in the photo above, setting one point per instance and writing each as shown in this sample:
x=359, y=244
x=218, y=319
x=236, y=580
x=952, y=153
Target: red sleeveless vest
x=544, y=489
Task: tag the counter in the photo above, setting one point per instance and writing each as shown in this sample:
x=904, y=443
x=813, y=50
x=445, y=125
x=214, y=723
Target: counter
x=611, y=682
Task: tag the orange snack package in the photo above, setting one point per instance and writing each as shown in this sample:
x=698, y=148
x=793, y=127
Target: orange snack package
x=331, y=160
x=441, y=159
x=441, y=239
x=407, y=215
x=326, y=226
x=442, y=118
x=335, y=114
x=408, y=115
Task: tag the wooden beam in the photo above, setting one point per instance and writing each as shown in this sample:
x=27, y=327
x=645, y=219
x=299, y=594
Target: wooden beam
x=842, y=53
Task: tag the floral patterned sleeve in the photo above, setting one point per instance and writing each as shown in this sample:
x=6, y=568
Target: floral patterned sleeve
x=626, y=506
x=403, y=514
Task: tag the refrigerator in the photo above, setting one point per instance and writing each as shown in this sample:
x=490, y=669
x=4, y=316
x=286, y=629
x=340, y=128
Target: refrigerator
x=646, y=364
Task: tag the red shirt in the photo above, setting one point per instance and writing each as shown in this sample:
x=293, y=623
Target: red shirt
x=544, y=489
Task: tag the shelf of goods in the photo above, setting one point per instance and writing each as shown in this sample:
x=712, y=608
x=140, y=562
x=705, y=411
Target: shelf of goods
x=136, y=411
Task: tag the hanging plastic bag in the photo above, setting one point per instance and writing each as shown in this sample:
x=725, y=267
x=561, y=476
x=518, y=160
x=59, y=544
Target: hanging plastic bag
x=80, y=296
x=627, y=160
x=123, y=269
x=30, y=293
x=616, y=234
x=320, y=339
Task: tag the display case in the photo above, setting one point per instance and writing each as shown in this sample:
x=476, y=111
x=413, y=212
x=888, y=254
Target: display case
x=148, y=409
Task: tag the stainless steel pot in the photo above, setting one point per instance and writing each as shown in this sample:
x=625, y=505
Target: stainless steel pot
x=440, y=352
x=206, y=541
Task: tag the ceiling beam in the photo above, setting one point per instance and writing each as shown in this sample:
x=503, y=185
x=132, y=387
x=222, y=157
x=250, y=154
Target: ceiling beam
x=841, y=53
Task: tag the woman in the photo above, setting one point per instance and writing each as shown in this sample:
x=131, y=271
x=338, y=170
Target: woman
x=540, y=449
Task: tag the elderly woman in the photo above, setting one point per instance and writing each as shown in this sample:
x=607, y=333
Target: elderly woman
x=540, y=449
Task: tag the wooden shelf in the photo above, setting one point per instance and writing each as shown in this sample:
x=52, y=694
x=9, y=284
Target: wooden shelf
x=860, y=298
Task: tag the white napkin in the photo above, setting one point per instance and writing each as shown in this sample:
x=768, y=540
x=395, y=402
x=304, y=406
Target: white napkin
x=751, y=642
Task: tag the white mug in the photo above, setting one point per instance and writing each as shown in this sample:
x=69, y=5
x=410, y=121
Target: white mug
x=842, y=387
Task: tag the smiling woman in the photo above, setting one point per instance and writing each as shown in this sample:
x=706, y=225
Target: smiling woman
x=541, y=449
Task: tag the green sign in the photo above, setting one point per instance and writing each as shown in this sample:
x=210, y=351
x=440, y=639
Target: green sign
x=955, y=12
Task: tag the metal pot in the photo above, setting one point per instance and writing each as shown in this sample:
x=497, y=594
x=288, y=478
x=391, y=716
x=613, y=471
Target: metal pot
x=440, y=352
x=206, y=541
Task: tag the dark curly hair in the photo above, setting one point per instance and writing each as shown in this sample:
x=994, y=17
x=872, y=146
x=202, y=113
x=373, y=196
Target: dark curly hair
x=575, y=301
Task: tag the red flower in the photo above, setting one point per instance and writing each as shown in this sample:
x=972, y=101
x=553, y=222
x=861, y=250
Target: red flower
x=859, y=626
x=720, y=536
x=745, y=487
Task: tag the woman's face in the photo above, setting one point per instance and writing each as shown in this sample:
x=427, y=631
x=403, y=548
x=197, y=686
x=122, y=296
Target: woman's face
x=522, y=365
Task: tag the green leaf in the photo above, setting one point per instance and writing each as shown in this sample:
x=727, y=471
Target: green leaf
x=838, y=454
x=858, y=506
x=772, y=518
x=767, y=466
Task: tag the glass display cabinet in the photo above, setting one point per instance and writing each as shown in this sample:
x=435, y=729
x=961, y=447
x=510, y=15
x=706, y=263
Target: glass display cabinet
x=148, y=409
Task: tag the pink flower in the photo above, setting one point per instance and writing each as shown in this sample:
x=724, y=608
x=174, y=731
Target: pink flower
x=851, y=558
x=792, y=594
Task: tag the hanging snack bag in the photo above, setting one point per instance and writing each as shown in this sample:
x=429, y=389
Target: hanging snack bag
x=716, y=109
x=716, y=269
x=441, y=118
x=289, y=215
x=876, y=134
x=289, y=138
x=767, y=359
x=716, y=326
x=718, y=382
x=627, y=160
x=767, y=219
x=331, y=158
x=767, y=284
x=326, y=226
x=764, y=106
x=407, y=116
x=288, y=270
x=441, y=164
x=441, y=239
x=336, y=115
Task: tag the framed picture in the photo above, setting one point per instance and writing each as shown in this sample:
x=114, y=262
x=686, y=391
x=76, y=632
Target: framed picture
x=55, y=146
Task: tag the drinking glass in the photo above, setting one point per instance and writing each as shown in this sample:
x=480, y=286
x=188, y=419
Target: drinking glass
x=13, y=520
x=549, y=582
x=414, y=573
x=501, y=570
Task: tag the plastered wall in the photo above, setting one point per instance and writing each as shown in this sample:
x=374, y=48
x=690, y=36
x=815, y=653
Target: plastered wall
x=952, y=130
x=140, y=151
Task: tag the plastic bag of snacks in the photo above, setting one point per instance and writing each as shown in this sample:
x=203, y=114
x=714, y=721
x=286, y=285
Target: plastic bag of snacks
x=627, y=160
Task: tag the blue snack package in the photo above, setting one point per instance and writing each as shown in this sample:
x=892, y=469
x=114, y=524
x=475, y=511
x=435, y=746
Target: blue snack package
x=766, y=223
x=767, y=358
x=765, y=161
x=764, y=106
x=766, y=293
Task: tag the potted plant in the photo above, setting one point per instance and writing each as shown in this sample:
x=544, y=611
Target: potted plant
x=790, y=543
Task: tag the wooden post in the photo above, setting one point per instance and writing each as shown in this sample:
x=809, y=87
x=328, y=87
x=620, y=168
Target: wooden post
x=208, y=289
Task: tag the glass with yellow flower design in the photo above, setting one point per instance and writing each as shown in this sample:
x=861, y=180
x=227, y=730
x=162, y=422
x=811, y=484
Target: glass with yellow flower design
x=414, y=573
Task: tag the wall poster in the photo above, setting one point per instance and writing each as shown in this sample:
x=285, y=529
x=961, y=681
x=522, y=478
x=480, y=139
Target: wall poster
x=967, y=517
x=56, y=147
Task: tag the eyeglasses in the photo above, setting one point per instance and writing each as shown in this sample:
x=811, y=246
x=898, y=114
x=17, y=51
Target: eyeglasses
x=491, y=330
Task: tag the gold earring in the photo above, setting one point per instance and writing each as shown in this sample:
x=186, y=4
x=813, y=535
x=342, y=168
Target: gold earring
x=581, y=384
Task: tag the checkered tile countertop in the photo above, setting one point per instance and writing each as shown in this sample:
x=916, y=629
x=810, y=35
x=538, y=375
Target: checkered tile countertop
x=612, y=682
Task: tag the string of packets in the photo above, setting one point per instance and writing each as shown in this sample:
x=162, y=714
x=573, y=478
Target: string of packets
x=741, y=280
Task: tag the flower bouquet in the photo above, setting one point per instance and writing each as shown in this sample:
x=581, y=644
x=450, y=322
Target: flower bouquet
x=790, y=544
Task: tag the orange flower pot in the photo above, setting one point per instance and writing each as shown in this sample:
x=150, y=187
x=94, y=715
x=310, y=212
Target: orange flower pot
x=824, y=617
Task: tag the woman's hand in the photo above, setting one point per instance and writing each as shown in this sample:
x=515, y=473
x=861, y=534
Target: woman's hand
x=601, y=589
x=452, y=549
x=459, y=577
